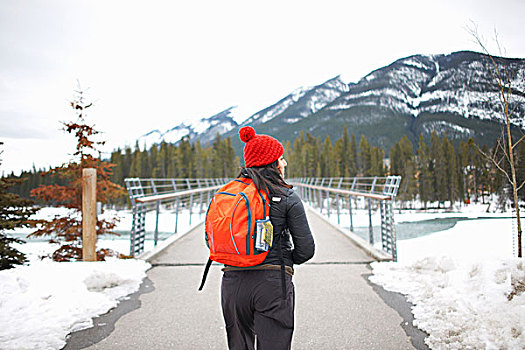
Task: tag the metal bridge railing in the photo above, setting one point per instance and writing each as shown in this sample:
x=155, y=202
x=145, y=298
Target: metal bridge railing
x=175, y=195
x=170, y=194
x=325, y=193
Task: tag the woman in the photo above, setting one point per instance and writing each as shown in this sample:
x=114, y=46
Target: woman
x=253, y=302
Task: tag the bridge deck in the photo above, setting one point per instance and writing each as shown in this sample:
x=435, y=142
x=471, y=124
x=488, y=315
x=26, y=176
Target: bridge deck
x=336, y=307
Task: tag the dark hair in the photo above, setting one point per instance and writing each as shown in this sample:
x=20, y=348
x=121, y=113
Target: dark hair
x=266, y=178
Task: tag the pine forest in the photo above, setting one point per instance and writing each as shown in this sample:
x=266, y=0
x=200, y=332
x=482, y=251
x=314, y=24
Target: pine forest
x=433, y=171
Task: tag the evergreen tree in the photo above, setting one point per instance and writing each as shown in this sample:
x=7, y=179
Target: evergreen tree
x=377, y=167
x=136, y=162
x=477, y=164
x=185, y=158
x=117, y=177
x=347, y=161
x=383, y=171
x=424, y=172
x=117, y=159
x=206, y=160
x=14, y=213
x=145, y=169
x=365, y=158
x=403, y=163
x=485, y=174
x=171, y=163
x=163, y=161
x=155, y=162
x=395, y=159
x=461, y=156
x=198, y=160
x=126, y=164
x=438, y=169
x=311, y=156
x=327, y=159
x=339, y=158
x=297, y=158
x=319, y=150
x=230, y=167
x=451, y=172
x=217, y=160
x=353, y=167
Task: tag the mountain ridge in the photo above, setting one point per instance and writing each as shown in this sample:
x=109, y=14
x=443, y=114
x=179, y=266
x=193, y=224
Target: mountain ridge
x=414, y=95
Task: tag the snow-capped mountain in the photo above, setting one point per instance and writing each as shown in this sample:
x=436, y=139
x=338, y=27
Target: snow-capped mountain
x=300, y=104
x=453, y=93
x=274, y=110
x=460, y=83
x=203, y=130
x=289, y=111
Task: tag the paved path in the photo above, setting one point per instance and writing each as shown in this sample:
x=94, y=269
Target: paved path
x=336, y=307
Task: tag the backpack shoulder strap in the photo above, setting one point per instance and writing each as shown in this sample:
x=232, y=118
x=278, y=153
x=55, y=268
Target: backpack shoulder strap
x=205, y=274
x=281, y=258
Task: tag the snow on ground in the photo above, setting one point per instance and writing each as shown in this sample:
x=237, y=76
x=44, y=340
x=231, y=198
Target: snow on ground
x=42, y=303
x=460, y=281
x=465, y=285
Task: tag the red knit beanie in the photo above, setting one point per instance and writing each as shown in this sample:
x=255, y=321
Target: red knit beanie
x=259, y=149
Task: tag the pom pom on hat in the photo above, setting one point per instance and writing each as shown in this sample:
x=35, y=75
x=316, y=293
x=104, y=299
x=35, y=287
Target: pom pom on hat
x=259, y=150
x=246, y=134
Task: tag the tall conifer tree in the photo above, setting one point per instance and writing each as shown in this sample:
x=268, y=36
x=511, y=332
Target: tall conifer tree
x=451, y=172
x=230, y=168
x=365, y=158
x=353, y=167
x=438, y=168
x=425, y=183
x=14, y=213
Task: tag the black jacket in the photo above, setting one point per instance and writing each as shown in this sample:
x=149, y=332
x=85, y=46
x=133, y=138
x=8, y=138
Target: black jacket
x=291, y=230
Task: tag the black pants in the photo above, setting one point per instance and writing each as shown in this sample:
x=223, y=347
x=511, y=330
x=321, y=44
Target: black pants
x=253, y=305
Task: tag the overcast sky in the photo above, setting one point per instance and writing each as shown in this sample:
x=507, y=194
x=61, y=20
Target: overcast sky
x=152, y=64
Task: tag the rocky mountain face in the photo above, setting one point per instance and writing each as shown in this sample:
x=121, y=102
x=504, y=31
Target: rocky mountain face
x=453, y=93
x=416, y=95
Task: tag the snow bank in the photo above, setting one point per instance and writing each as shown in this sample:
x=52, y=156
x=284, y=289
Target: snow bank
x=462, y=306
x=42, y=303
x=465, y=286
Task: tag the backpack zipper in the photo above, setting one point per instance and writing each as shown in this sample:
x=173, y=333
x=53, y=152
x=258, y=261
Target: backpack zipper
x=249, y=231
x=231, y=221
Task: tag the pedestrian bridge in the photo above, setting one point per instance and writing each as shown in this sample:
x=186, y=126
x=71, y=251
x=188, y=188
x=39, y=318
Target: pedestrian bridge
x=329, y=195
x=336, y=306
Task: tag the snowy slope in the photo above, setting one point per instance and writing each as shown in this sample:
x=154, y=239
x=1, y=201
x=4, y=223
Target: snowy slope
x=274, y=110
x=203, y=129
x=460, y=83
x=300, y=104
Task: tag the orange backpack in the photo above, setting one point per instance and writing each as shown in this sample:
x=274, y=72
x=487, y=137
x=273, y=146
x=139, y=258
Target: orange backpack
x=238, y=228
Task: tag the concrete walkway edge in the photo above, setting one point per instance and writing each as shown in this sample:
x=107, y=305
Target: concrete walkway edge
x=163, y=245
